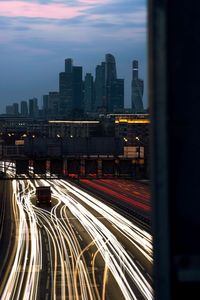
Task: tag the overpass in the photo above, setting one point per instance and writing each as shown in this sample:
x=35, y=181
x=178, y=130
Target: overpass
x=94, y=157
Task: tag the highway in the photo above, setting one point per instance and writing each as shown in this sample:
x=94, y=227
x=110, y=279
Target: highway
x=5, y=222
x=131, y=196
x=81, y=248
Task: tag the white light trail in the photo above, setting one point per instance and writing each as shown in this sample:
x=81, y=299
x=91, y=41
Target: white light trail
x=69, y=268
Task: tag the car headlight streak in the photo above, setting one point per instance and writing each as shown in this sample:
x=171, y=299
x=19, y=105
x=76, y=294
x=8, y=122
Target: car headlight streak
x=69, y=273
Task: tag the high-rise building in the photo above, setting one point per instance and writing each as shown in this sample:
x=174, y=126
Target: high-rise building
x=45, y=104
x=33, y=107
x=77, y=88
x=70, y=88
x=109, y=90
x=114, y=86
x=53, y=103
x=68, y=65
x=110, y=77
x=66, y=92
x=110, y=68
x=88, y=93
x=137, y=90
x=24, y=108
x=116, y=104
x=16, y=109
x=9, y=110
x=100, y=91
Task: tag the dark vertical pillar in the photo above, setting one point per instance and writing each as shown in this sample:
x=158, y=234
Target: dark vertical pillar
x=82, y=167
x=99, y=168
x=174, y=64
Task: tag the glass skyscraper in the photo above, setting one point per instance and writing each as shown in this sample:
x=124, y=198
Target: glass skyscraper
x=70, y=88
x=137, y=90
x=114, y=86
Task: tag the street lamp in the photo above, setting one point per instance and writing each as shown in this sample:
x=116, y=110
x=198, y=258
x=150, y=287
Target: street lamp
x=137, y=138
x=138, y=147
x=137, y=161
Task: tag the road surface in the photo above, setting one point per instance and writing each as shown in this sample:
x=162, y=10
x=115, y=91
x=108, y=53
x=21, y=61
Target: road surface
x=81, y=248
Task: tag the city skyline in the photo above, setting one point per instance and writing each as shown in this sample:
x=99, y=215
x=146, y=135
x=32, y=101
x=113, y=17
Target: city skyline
x=82, y=95
x=34, y=42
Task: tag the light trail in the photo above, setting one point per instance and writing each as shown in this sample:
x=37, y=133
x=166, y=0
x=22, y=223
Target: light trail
x=22, y=276
x=69, y=273
x=99, y=233
x=66, y=251
x=131, y=231
x=2, y=209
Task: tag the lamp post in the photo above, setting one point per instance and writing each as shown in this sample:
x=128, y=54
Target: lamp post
x=138, y=147
x=137, y=161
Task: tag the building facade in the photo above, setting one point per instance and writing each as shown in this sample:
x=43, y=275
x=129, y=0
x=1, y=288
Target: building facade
x=100, y=91
x=70, y=88
x=137, y=89
x=16, y=109
x=88, y=93
x=24, y=108
x=109, y=90
x=66, y=92
x=33, y=107
x=77, y=86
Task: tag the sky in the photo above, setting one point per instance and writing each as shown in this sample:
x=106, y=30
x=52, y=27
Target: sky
x=37, y=35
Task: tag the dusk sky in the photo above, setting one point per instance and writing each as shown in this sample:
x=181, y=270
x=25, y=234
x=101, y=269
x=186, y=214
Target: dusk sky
x=37, y=35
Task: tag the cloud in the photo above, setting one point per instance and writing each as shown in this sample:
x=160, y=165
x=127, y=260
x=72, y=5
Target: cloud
x=42, y=33
x=76, y=15
x=39, y=10
x=4, y=23
x=118, y=7
x=66, y=10
x=21, y=28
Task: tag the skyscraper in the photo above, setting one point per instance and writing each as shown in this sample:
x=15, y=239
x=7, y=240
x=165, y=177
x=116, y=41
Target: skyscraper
x=9, y=110
x=66, y=92
x=53, y=103
x=24, y=108
x=70, y=88
x=114, y=86
x=137, y=90
x=33, y=107
x=109, y=90
x=77, y=86
x=116, y=104
x=45, y=104
x=110, y=70
x=100, y=90
x=68, y=65
x=110, y=77
x=16, y=109
x=88, y=92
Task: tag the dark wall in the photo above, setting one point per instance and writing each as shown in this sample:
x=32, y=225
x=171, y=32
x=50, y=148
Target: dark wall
x=174, y=91
x=73, y=146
